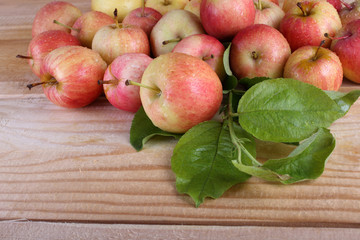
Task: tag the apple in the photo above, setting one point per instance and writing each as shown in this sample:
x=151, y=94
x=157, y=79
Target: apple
x=288, y=4
x=205, y=47
x=44, y=43
x=184, y=91
x=336, y=3
x=144, y=17
x=114, y=40
x=268, y=13
x=193, y=6
x=307, y=23
x=315, y=65
x=224, y=20
x=108, y=6
x=69, y=76
x=88, y=24
x=350, y=12
x=259, y=51
x=127, y=66
x=171, y=29
x=164, y=6
x=62, y=11
x=346, y=44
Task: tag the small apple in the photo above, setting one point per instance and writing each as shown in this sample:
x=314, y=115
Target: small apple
x=268, y=13
x=307, y=23
x=108, y=6
x=171, y=29
x=350, y=12
x=205, y=47
x=44, y=43
x=193, y=6
x=259, y=51
x=164, y=6
x=70, y=74
x=129, y=66
x=144, y=17
x=224, y=19
x=62, y=11
x=315, y=65
x=114, y=40
x=346, y=44
x=184, y=91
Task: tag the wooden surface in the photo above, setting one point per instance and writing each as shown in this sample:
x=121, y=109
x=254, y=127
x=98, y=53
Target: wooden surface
x=77, y=165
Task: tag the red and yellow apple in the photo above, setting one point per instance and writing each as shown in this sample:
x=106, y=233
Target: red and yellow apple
x=268, y=13
x=108, y=7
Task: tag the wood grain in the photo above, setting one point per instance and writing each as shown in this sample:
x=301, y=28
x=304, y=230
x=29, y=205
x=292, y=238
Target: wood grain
x=77, y=165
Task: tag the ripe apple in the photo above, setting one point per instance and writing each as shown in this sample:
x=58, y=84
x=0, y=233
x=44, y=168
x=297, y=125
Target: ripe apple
x=224, y=19
x=185, y=92
x=69, y=76
x=315, y=65
x=62, y=11
x=171, y=29
x=144, y=17
x=108, y=6
x=45, y=42
x=114, y=40
x=268, y=13
x=259, y=51
x=346, y=44
x=307, y=23
x=164, y=6
x=88, y=24
x=127, y=66
x=205, y=47
x=193, y=6
x=350, y=12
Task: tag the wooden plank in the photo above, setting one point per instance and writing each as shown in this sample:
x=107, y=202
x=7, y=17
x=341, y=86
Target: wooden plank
x=68, y=231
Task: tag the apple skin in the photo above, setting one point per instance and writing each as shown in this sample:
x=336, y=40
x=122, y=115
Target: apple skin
x=129, y=66
x=325, y=71
x=193, y=6
x=288, y=4
x=164, y=6
x=350, y=13
x=191, y=92
x=268, y=13
x=76, y=71
x=88, y=24
x=64, y=12
x=348, y=50
x=271, y=48
x=112, y=41
x=174, y=24
x=145, y=20
x=108, y=7
x=300, y=30
x=44, y=43
x=224, y=20
x=203, y=46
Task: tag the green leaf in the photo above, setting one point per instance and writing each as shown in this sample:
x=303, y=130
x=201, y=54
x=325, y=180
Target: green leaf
x=226, y=61
x=344, y=100
x=249, y=82
x=142, y=129
x=286, y=110
x=229, y=83
x=307, y=161
x=202, y=160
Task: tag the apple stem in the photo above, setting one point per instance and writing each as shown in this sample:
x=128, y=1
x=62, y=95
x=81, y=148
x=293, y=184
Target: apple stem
x=338, y=38
x=317, y=50
x=166, y=2
x=115, y=18
x=208, y=57
x=129, y=82
x=348, y=6
x=259, y=5
x=66, y=26
x=114, y=82
x=143, y=8
x=171, y=41
x=254, y=55
x=50, y=81
x=301, y=8
x=23, y=57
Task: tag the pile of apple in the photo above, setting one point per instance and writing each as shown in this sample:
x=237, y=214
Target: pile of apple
x=167, y=55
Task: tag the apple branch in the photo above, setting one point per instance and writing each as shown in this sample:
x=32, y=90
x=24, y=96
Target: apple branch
x=171, y=41
x=66, y=26
x=115, y=18
x=143, y=8
x=208, y=57
x=167, y=2
x=129, y=82
x=317, y=50
x=23, y=57
x=51, y=81
x=254, y=55
x=347, y=35
x=259, y=5
x=347, y=5
x=301, y=8
x=113, y=82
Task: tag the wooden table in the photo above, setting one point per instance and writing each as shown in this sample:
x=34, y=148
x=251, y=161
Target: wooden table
x=72, y=174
